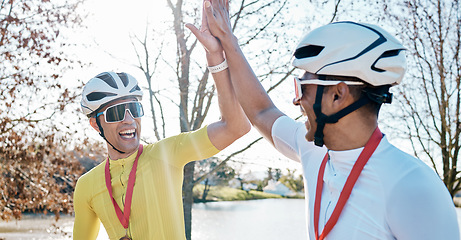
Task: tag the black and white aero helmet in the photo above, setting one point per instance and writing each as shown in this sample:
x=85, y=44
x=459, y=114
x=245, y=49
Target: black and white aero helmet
x=106, y=87
x=351, y=49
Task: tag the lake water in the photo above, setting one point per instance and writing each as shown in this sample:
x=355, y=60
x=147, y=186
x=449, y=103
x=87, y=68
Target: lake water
x=244, y=220
x=257, y=219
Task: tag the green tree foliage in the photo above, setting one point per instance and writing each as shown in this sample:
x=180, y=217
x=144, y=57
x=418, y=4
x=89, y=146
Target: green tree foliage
x=293, y=181
x=220, y=177
x=37, y=172
x=278, y=174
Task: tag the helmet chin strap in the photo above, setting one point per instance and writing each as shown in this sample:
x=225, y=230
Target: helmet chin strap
x=323, y=119
x=101, y=133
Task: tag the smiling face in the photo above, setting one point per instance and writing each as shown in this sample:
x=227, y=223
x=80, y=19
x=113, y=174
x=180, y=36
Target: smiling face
x=341, y=117
x=306, y=103
x=309, y=92
x=124, y=135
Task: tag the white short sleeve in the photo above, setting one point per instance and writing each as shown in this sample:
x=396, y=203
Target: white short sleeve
x=420, y=208
x=287, y=134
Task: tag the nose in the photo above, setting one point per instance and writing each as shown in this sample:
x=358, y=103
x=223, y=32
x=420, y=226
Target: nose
x=128, y=117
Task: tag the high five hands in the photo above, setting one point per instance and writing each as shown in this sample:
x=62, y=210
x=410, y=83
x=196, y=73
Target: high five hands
x=215, y=25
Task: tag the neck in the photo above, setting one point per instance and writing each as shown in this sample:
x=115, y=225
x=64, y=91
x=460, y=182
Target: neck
x=115, y=155
x=349, y=133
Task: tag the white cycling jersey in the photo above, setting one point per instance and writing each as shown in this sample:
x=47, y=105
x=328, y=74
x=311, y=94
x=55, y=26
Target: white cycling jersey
x=395, y=197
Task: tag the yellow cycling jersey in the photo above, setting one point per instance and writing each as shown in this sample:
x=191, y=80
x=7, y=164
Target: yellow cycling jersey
x=156, y=209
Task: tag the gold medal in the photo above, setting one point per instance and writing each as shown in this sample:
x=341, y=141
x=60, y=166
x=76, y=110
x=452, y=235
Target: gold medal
x=126, y=235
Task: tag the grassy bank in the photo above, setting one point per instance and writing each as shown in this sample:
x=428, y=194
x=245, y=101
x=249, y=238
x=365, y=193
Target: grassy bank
x=221, y=193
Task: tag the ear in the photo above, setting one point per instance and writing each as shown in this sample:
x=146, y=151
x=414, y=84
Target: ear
x=94, y=124
x=339, y=97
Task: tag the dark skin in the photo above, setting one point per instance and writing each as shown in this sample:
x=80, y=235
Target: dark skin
x=335, y=98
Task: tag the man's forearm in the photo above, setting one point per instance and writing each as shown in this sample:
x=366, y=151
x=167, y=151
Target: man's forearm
x=233, y=123
x=252, y=96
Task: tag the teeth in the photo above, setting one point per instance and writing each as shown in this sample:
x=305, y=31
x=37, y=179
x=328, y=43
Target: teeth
x=128, y=131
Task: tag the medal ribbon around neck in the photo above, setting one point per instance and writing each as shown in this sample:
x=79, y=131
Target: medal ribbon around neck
x=124, y=216
x=363, y=158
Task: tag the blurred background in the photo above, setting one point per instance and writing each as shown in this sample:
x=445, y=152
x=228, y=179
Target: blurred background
x=49, y=49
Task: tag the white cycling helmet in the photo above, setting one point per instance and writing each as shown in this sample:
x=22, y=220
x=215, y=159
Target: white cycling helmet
x=360, y=50
x=106, y=87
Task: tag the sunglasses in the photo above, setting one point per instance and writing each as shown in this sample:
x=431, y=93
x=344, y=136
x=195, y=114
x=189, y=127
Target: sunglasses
x=116, y=113
x=299, y=82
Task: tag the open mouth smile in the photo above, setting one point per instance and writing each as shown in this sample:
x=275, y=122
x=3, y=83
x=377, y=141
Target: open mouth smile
x=128, y=134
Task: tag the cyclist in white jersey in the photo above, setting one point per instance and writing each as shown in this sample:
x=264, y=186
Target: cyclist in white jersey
x=348, y=70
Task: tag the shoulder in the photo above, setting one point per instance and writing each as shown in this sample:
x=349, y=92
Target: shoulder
x=86, y=181
x=416, y=197
x=419, y=206
x=200, y=134
x=184, y=147
x=394, y=162
x=401, y=174
x=284, y=123
x=408, y=177
x=289, y=139
x=179, y=140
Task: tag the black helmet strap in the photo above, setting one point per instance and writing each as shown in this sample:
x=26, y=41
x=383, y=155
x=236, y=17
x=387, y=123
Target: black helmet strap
x=323, y=119
x=101, y=133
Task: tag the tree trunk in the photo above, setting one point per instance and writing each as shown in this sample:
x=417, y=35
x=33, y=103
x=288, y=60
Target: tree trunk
x=188, y=200
x=206, y=189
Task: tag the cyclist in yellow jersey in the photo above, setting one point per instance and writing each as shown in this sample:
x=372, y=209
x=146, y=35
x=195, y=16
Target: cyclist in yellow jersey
x=111, y=101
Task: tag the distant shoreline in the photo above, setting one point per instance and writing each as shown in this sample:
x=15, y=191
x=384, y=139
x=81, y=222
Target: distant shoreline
x=222, y=193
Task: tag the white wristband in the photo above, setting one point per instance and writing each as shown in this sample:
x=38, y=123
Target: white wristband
x=218, y=68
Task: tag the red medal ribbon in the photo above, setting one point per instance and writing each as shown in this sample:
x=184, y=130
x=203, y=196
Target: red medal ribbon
x=125, y=216
x=364, y=156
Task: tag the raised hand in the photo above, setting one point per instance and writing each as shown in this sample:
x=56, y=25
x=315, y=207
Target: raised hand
x=217, y=16
x=205, y=37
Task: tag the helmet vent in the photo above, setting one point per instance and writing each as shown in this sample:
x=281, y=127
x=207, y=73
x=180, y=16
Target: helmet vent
x=386, y=54
x=124, y=78
x=135, y=88
x=391, y=53
x=308, y=51
x=95, y=96
x=107, y=78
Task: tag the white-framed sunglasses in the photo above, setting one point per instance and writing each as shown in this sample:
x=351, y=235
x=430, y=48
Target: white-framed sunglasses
x=116, y=113
x=298, y=82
